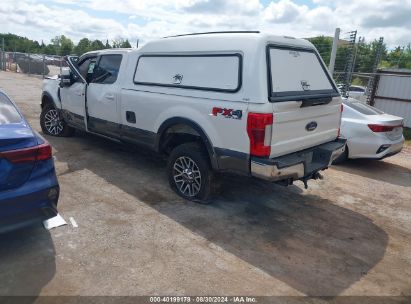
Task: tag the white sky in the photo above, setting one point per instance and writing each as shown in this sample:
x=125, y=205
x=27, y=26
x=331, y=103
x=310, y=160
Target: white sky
x=150, y=19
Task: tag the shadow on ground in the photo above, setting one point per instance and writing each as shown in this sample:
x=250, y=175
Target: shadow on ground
x=380, y=170
x=27, y=262
x=303, y=240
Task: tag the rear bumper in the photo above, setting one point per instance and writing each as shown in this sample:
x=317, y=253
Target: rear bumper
x=35, y=216
x=27, y=209
x=393, y=149
x=299, y=165
x=377, y=148
x=34, y=201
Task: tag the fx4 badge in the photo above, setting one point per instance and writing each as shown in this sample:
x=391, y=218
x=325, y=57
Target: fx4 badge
x=227, y=113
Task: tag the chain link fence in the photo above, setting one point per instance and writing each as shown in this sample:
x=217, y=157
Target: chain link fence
x=31, y=64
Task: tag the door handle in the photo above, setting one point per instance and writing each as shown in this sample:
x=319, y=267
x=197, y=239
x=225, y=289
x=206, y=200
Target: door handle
x=109, y=96
x=131, y=116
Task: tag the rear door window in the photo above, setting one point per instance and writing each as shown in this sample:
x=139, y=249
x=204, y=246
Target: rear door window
x=8, y=113
x=219, y=72
x=297, y=73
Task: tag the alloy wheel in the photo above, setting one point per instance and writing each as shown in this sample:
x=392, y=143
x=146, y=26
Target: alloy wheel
x=187, y=176
x=53, y=122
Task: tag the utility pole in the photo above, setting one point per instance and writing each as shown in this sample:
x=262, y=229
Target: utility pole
x=137, y=42
x=334, y=51
x=3, y=61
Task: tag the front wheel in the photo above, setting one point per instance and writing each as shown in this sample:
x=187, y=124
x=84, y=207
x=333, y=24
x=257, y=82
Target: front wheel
x=189, y=172
x=53, y=124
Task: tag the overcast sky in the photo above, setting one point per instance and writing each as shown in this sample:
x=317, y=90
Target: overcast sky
x=150, y=19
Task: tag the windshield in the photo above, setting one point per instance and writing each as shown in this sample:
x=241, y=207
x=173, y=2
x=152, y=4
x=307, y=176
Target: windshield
x=297, y=73
x=8, y=113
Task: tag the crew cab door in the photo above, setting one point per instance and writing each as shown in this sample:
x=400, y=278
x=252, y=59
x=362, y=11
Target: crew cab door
x=102, y=96
x=73, y=97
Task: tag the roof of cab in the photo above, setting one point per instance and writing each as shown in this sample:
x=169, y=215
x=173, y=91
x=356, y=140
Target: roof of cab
x=108, y=51
x=220, y=41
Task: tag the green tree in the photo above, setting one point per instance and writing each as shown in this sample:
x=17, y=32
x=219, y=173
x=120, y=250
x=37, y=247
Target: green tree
x=121, y=43
x=366, y=55
x=14, y=43
x=400, y=57
x=97, y=45
x=323, y=45
x=50, y=49
x=126, y=44
x=66, y=45
x=63, y=45
x=83, y=46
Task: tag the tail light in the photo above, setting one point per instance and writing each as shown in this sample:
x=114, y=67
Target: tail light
x=259, y=128
x=382, y=128
x=41, y=152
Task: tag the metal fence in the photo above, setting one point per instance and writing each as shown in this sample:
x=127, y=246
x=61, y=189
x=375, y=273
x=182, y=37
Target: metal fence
x=31, y=64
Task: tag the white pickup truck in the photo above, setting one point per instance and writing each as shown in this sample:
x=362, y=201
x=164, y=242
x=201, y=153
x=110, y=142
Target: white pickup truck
x=244, y=102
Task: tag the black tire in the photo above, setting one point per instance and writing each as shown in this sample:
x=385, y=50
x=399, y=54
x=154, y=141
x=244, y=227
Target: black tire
x=53, y=124
x=342, y=158
x=189, y=172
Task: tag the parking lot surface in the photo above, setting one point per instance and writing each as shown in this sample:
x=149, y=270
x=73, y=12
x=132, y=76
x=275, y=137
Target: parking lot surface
x=346, y=235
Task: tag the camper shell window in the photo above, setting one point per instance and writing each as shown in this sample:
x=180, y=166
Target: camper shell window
x=219, y=72
x=297, y=74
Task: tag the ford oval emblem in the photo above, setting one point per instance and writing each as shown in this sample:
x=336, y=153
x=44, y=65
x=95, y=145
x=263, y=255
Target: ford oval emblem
x=311, y=126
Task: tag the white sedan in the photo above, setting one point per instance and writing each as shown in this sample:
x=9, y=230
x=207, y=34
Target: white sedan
x=370, y=133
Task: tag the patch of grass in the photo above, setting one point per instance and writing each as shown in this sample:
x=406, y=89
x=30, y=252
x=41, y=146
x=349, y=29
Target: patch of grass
x=407, y=136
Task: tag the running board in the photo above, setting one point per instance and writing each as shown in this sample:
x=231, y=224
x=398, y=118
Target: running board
x=105, y=136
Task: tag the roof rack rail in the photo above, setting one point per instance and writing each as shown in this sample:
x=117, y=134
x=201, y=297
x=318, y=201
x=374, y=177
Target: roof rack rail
x=222, y=32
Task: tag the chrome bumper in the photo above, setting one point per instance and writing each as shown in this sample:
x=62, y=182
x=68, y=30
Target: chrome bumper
x=299, y=165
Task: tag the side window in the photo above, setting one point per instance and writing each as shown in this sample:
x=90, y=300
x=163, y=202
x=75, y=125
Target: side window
x=86, y=68
x=107, y=69
x=90, y=70
x=83, y=67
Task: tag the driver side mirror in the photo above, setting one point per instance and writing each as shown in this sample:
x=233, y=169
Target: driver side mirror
x=65, y=77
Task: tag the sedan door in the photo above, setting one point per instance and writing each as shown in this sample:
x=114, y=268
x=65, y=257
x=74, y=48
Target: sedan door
x=102, y=96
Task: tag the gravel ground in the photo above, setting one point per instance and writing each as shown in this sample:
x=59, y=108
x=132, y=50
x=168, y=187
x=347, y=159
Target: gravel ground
x=346, y=235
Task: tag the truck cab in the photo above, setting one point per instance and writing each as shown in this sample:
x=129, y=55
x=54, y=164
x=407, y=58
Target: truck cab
x=250, y=103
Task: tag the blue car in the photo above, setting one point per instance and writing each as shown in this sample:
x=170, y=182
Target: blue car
x=29, y=189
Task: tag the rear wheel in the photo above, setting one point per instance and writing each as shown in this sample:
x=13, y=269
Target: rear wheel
x=53, y=124
x=189, y=172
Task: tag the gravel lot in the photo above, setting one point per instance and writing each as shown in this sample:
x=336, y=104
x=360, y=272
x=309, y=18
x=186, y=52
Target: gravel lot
x=346, y=235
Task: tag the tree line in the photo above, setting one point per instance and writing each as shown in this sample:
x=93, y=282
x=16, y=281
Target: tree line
x=365, y=54
x=59, y=45
x=399, y=57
